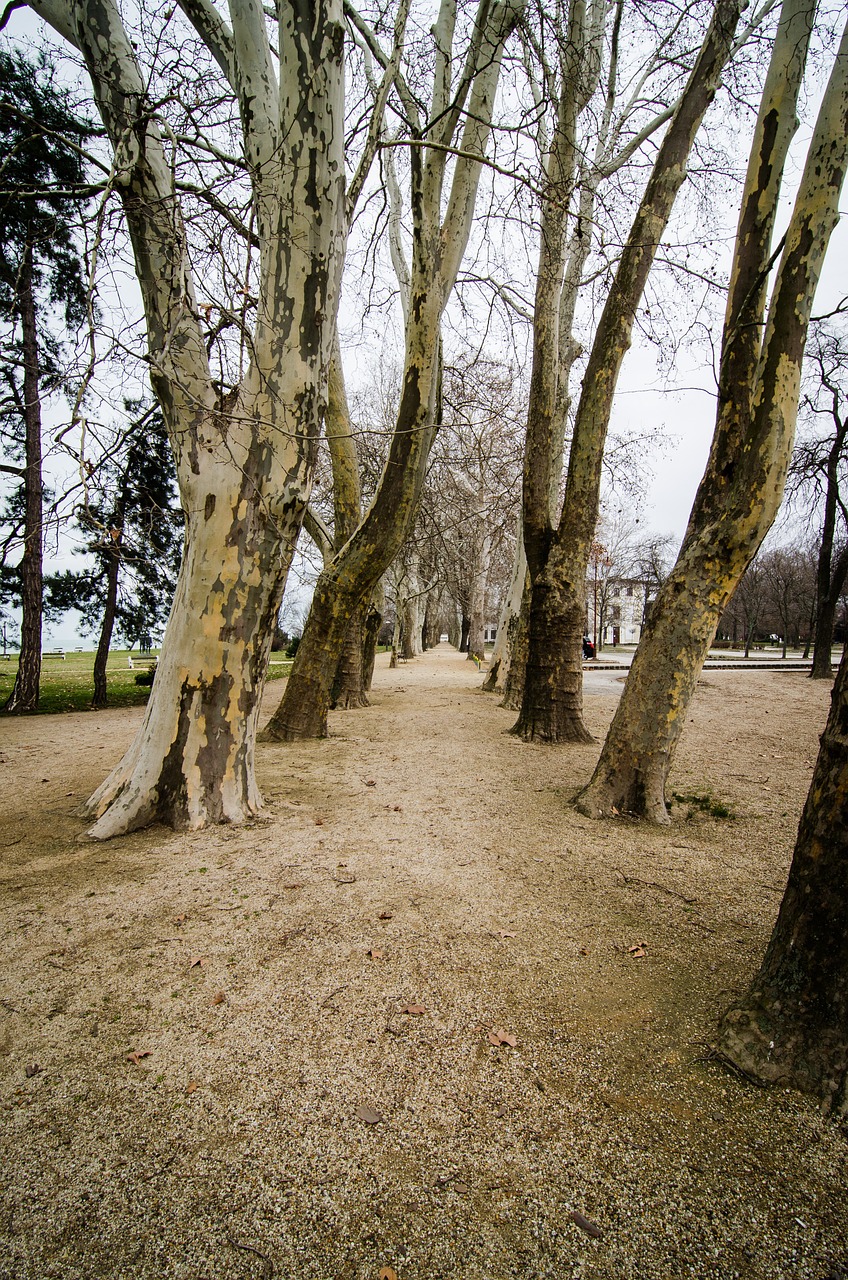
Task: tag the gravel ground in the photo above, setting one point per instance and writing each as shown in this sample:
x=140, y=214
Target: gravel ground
x=398, y=1029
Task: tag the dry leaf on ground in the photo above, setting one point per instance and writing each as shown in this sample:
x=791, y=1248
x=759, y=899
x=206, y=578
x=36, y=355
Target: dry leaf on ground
x=218, y=998
x=387, y=1273
x=414, y=1009
x=368, y=1114
x=137, y=1055
x=585, y=1224
x=503, y=1037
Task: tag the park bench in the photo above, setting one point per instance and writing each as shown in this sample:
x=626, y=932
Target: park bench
x=140, y=664
x=53, y=653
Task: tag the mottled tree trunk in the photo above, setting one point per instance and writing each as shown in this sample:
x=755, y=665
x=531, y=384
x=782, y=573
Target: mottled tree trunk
x=371, y=632
x=192, y=759
x=24, y=695
x=519, y=646
x=741, y=490
x=791, y=1028
x=501, y=659
x=348, y=690
x=552, y=702
x=441, y=224
x=558, y=558
x=244, y=467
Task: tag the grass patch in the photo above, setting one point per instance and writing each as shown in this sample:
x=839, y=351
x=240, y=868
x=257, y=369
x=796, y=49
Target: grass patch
x=68, y=685
x=702, y=802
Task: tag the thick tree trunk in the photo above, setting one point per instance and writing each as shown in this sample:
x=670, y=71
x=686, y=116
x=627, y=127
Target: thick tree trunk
x=24, y=695
x=100, y=695
x=192, y=759
x=735, y=504
x=558, y=559
x=792, y=1026
x=348, y=690
x=552, y=704
x=440, y=231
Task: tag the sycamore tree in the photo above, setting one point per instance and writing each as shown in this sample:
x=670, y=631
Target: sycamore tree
x=759, y=386
x=558, y=536
x=243, y=452
x=445, y=138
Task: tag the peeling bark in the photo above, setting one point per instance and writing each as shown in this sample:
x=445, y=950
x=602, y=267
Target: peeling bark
x=244, y=471
x=742, y=487
x=558, y=558
x=439, y=239
x=791, y=1027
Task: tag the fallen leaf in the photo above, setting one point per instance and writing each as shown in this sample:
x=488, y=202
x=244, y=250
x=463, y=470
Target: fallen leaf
x=387, y=1273
x=591, y=1228
x=502, y=1037
x=636, y=953
x=368, y=1114
x=505, y=933
x=461, y=1188
x=191, y=1086
x=319, y=822
x=137, y=1055
x=195, y=960
x=295, y=885
x=376, y=953
x=32, y=1070
x=414, y=1009
x=218, y=998
x=584, y=951
x=385, y=915
x=372, y=782
x=180, y=919
x=345, y=879
x=396, y=808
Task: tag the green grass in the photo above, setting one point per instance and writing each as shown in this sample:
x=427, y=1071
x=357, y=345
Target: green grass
x=68, y=685
x=703, y=802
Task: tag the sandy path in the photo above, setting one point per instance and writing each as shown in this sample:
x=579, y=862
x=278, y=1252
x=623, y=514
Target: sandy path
x=419, y=857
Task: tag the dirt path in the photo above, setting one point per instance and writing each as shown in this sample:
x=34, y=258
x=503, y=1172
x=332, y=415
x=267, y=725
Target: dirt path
x=269, y=982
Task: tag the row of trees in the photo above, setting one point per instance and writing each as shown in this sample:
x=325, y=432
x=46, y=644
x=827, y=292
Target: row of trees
x=602, y=118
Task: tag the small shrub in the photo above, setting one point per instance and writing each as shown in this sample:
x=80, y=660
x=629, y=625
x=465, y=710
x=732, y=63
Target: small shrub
x=291, y=647
x=145, y=677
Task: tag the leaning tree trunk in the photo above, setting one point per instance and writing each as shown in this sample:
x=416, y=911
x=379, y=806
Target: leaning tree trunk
x=737, y=503
x=791, y=1028
x=370, y=635
x=501, y=659
x=559, y=559
x=24, y=695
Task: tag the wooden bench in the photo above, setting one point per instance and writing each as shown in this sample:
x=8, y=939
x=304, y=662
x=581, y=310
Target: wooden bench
x=53, y=653
x=141, y=664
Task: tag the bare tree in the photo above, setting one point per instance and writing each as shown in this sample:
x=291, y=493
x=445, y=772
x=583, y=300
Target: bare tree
x=244, y=461
x=759, y=384
x=817, y=477
x=460, y=115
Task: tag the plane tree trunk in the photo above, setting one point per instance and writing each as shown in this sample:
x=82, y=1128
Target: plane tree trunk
x=439, y=239
x=791, y=1027
x=741, y=490
x=558, y=558
x=244, y=466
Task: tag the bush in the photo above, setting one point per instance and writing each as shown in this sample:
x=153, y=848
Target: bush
x=291, y=647
x=145, y=677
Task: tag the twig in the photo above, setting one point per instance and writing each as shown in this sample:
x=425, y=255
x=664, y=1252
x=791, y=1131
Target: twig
x=714, y=1054
x=652, y=884
x=267, y=1264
